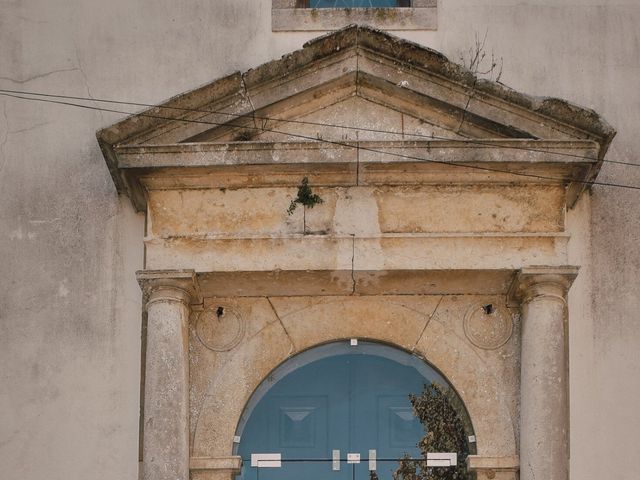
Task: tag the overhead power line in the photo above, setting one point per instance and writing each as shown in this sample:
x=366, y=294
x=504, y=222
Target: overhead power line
x=253, y=116
x=314, y=139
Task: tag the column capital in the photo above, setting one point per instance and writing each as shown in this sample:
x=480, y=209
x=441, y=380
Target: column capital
x=534, y=282
x=169, y=285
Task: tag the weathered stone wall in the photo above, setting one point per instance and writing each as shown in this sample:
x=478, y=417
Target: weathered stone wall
x=367, y=228
x=69, y=303
x=431, y=326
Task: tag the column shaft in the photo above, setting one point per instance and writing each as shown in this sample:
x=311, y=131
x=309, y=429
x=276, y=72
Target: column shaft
x=166, y=408
x=544, y=450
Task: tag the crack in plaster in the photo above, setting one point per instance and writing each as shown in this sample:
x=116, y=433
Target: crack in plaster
x=28, y=129
x=41, y=222
x=293, y=345
x=460, y=338
x=80, y=68
x=246, y=94
x=353, y=256
x=435, y=310
x=466, y=107
x=38, y=76
x=3, y=157
x=357, y=161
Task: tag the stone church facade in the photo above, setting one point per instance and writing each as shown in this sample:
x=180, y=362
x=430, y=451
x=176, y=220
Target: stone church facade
x=442, y=196
x=362, y=190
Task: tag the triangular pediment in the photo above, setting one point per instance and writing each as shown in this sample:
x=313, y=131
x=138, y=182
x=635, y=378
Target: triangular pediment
x=356, y=84
x=350, y=118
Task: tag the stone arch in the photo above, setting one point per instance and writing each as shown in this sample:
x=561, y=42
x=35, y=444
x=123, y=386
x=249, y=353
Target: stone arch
x=489, y=393
x=407, y=323
x=386, y=369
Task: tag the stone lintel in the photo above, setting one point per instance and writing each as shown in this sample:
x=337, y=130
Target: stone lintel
x=381, y=255
x=481, y=463
x=532, y=282
x=179, y=284
x=231, y=463
x=347, y=282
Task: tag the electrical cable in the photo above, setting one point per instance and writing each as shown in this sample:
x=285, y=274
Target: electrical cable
x=333, y=142
x=253, y=116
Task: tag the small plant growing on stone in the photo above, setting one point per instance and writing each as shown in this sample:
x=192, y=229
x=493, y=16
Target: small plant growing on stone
x=244, y=136
x=445, y=433
x=474, y=59
x=305, y=197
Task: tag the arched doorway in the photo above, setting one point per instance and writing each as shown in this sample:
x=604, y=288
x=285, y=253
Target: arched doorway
x=319, y=410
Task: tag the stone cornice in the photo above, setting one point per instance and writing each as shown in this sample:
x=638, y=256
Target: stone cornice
x=267, y=164
x=403, y=52
x=444, y=152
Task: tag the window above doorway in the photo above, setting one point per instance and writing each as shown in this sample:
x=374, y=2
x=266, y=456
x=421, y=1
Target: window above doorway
x=320, y=15
x=356, y=3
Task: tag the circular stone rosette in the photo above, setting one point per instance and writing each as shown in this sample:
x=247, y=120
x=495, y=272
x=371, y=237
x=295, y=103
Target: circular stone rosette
x=219, y=332
x=488, y=326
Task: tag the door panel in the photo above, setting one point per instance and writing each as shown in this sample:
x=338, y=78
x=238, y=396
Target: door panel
x=304, y=416
x=349, y=399
x=382, y=415
x=301, y=423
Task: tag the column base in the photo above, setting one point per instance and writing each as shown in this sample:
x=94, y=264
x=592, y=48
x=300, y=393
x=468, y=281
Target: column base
x=214, y=468
x=494, y=468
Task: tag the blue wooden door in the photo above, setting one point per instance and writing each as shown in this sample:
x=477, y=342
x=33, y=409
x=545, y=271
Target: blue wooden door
x=336, y=397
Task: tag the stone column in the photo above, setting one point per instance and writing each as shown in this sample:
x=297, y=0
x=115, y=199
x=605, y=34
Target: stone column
x=544, y=410
x=166, y=387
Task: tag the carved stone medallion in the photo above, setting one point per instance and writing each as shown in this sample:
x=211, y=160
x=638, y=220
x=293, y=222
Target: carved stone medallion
x=219, y=328
x=488, y=326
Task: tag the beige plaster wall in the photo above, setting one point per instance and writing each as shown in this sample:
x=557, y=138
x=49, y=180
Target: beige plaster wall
x=69, y=305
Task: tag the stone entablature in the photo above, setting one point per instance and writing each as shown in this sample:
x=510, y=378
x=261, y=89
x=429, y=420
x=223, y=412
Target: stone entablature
x=423, y=238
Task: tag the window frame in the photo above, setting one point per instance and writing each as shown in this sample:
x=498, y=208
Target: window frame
x=295, y=15
x=402, y=4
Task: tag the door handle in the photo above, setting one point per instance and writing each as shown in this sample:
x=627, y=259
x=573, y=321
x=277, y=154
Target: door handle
x=353, y=458
x=373, y=457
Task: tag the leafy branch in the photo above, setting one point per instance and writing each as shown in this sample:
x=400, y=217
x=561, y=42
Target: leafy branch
x=305, y=197
x=436, y=410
